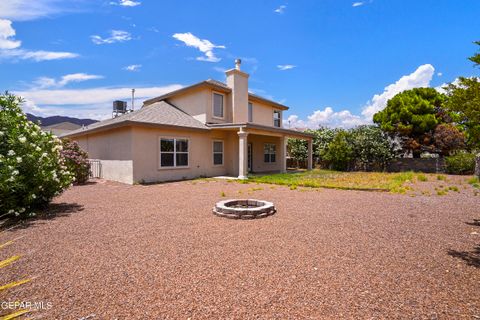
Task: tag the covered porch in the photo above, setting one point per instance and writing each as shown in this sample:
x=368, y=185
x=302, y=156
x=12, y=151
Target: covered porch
x=262, y=148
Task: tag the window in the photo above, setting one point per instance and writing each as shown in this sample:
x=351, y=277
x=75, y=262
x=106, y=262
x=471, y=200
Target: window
x=250, y=112
x=269, y=152
x=276, y=118
x=173, y=152
x=218, y=105
x=217, y=153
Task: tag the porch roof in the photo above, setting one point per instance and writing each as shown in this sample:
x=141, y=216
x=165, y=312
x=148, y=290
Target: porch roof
x=248, y=125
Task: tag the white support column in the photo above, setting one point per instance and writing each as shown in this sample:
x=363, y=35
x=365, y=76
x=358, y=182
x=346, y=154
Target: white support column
x=242, y=154
x=283, y=154
x=310, y=154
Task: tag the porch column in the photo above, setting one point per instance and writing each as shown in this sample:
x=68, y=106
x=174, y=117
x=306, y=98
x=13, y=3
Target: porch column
x=242, y=154
x=310, y=154
x=283, y=154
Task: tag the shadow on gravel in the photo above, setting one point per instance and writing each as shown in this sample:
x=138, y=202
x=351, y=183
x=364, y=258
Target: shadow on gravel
x=52, y=211
x=472, y=258
x=476, y=222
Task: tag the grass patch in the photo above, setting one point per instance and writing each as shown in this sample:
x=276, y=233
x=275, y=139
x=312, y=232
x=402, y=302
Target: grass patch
x=368, y=181
x=222, y=194
x=422, y=177
x=441, y=177
x=474, y=182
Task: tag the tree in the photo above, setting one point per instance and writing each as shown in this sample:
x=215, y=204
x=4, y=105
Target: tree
x=298, y=149
x=413, y=115
x=372, y=147
x=32, y=169
x=448, y=138
x=76, y=160
x=339, y=153
x=464, y=101
x=476, y=57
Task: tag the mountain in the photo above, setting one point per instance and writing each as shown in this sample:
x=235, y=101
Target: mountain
x=49, y=121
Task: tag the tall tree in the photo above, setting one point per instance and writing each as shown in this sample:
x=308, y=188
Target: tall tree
x=413, y=115
x=476, y=57
x=464, y=102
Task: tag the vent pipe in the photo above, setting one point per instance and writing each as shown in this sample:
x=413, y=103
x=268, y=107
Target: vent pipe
x=133, y=99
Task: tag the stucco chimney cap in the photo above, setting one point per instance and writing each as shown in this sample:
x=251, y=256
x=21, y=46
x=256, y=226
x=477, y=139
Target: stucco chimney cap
x=238, y=62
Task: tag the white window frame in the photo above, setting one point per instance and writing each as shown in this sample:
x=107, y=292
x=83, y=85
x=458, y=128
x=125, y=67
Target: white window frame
x=279, y=118
x=213, y=105
x=270, y=153
x=250, y=111
x=213, y=153
x=174, y=152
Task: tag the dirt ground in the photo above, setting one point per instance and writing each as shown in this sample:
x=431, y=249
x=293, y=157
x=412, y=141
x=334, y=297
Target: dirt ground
x=113, y=251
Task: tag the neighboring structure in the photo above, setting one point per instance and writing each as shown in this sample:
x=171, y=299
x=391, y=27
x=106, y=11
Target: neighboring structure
x=207, y=129
x=61, y=128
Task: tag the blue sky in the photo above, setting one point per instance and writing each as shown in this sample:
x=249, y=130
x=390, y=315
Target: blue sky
x=334, y=62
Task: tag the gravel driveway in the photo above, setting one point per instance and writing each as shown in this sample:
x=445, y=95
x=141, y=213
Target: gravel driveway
x=157, y=252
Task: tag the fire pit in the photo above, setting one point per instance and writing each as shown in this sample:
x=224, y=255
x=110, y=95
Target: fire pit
x=244, y=209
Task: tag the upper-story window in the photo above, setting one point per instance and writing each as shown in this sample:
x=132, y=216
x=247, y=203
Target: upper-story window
x=218, y=110
x=277, y=118
x=250, y=112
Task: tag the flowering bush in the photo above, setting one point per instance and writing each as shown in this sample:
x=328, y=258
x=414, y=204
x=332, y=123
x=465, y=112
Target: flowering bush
x=76, y=160
x=32, y=168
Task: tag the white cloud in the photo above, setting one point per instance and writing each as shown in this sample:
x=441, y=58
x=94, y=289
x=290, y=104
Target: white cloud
x=419, y=78
x=345, y=119
x=21, y=10
x=205, y=46
x=439, y=74
x=358, y=4
x=133, y=67
x=126, y=3
x=45, y=82
x=115, y=36
x=10, y=48
x=6, y=35
x=280, y=9
x=93, y=103
x=284, y=67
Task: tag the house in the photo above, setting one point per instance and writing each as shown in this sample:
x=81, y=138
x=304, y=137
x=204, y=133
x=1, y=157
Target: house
x=61, y=128
x=203, y=130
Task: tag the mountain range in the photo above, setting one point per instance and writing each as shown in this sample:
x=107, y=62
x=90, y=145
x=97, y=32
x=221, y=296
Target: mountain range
x=49, y=121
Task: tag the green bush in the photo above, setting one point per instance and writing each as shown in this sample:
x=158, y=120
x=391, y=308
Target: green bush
x=461, y=163
x=76, y=160
x=32, y=169
x=339, y=153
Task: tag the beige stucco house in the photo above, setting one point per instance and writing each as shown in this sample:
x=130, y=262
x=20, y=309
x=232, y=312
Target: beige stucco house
x=206, y=129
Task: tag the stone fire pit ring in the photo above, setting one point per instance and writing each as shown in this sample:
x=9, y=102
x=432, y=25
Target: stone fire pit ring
x=244, y=209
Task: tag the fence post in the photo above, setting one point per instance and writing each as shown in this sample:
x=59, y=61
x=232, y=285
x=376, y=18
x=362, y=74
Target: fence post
x=477, y=165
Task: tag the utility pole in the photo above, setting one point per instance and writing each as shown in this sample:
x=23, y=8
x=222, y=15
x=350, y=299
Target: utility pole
x=133, y=99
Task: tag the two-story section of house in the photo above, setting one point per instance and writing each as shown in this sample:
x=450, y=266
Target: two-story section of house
x=203, y=130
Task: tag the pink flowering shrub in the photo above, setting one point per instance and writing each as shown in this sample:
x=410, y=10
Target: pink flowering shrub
x=32, y=168
x=76, y=160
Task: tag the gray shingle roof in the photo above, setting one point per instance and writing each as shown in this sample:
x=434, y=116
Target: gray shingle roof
x=159, y=113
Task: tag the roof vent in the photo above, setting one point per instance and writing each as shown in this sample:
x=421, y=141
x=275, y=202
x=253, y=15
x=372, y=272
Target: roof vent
x=238, y=62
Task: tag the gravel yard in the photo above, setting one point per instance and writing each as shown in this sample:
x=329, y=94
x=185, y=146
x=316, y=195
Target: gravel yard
x=157, y=252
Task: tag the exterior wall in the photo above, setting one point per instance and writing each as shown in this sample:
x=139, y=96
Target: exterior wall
x=263, y=114
x=146, y=151
x=238, y=81
x=117, y=170
x=115, y=144
x=427, y=165
x=258, y=142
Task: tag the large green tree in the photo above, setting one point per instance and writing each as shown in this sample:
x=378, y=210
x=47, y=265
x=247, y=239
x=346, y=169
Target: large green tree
x=476, y=57
x=413, y=115
x=464, y=102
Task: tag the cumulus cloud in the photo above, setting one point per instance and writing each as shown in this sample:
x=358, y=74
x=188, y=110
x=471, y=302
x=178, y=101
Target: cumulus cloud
x=419, y=78
x=133, y=67
x=204, y=45
x=46, y=82
x=11, y=48
x=7, y=33
x=126, y=3
x=280, y=10
x=345, y=119
x=95, y=103
x=115, y=36
x=283, y=67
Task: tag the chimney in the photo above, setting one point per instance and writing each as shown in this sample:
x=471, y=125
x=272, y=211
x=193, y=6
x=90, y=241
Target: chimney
x=238, y=81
